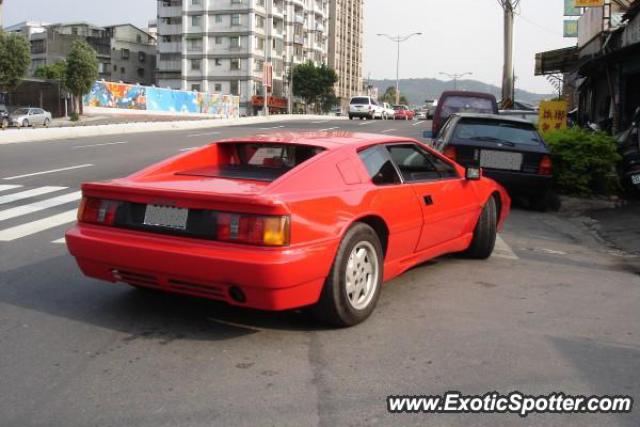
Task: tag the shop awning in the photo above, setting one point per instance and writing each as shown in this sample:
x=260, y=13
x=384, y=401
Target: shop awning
x=557, y=61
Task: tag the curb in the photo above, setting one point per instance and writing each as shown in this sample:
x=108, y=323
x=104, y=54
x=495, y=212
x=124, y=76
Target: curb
x=50, y=134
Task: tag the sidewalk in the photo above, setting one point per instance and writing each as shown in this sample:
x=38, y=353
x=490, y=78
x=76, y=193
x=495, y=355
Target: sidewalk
x=98, y=120
x=620, y=227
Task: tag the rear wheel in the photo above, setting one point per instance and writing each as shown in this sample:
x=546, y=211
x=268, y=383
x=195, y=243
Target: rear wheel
x=484, y=236
x=5, y=123
x=350, y=117
x=25, y=123
x=46, y=123
x=352, y=288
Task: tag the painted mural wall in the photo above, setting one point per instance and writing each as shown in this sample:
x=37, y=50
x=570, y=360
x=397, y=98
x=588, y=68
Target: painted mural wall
x=122, y=96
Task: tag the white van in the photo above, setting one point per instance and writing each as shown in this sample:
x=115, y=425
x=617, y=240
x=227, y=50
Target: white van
x=364, y=107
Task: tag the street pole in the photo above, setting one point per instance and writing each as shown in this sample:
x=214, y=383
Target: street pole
x=455, y=77
x=264, y=82
x=398, y=39
x=508, y=95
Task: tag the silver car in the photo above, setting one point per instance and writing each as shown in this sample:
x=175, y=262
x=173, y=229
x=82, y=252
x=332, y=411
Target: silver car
x=25, y=117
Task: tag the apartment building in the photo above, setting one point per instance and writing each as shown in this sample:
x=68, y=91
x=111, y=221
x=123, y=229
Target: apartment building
x=222, y=45
x=346, y=24
x=133, y=54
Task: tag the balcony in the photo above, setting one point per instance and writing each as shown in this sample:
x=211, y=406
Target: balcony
x=298, y=39
x=298, y=19
x=175, y=47
x=169, y=11
x=169, y=29
x=168, y=66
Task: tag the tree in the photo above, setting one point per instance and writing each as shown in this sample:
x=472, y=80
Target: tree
x=55, y=71
x=390, y=96
x=314, y=84
x=81, y=72
x=15, y=58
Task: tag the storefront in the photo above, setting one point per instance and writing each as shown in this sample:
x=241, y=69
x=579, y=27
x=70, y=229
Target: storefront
x=277, y=105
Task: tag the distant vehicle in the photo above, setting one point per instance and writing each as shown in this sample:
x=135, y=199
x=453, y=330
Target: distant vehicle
x=402, y=112
x=430, y=107
x=4, y=117
x=25, y=117
x=336, y=111
x=531, y=116
x=363, y=107
x=422, y=115
x=451, y=102
x=389, y=110
x=510, y=150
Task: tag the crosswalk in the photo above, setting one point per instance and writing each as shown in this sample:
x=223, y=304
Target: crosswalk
x=26, y=212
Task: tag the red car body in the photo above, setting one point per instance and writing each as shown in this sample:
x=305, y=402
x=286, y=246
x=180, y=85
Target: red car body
x=321, y=199
x=402, y=112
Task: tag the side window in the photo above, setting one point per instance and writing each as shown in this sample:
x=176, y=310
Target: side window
x=416, y=164
x=379, y=166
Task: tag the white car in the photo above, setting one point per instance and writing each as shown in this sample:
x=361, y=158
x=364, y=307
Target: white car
x=25, y=117
x=390, y=112
x=364, y=107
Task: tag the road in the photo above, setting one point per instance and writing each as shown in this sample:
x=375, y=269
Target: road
x=552, y=310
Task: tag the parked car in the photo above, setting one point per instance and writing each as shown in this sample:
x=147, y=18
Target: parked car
x=363, y=107
x=286, y=221
x=4, y=117
x=402, y=112
x=421, y=115
x=451, y=102
x=25, y=117
x=509, y=150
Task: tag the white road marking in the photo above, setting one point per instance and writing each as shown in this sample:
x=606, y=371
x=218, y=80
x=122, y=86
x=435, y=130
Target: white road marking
x=24, y=230
x=416, y=124
x=49, y=171
x=327, y=129
x=365, y=123
x=388, y=130
x=59, y=241
x=39, y=206
x=193, y=135
x=274, y=127
x=99, y=145
x=189, y=149
x=28, y=193
x=503, y=250
x=9, y=187
x=320, y=121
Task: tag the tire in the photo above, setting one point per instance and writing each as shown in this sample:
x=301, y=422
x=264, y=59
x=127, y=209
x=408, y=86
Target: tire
x=339, y=305
x=484, y=236
x=25, y=123
x=4, y=124
x=46, y=123
x=350, y=117
x=361, y=117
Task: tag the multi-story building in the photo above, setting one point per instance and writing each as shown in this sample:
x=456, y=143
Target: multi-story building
x=124, y=52
x=222, y=45
x=133, y=54
x=346, y=24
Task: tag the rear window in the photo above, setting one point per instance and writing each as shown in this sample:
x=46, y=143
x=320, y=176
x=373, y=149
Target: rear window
x=466, y=104
x=497, y=131
x=256, y=162
x=21, y=111
x=360, y=100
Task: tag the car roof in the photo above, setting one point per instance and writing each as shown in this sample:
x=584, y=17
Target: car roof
x=330, y=140
x=467, y=94
x=498, y=117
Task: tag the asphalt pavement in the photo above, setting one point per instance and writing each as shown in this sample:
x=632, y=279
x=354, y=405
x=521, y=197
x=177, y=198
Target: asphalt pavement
x=554, y=310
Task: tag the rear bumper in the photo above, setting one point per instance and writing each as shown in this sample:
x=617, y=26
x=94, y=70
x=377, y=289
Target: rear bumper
x=270, y=279
x=520, y=183
x=361, y=113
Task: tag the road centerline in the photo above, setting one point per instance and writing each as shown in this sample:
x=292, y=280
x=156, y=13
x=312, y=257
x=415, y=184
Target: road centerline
x=100, y=145
x=48, y=172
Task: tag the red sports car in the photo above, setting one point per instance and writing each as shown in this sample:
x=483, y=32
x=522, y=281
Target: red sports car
x=402, y=112
x=285, y=221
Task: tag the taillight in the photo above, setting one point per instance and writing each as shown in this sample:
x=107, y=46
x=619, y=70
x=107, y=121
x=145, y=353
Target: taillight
x=97, y=211
x=450, y=152
x=546, y=166
x=253, y=229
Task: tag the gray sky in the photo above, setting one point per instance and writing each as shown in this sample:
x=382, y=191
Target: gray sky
x=459, y=35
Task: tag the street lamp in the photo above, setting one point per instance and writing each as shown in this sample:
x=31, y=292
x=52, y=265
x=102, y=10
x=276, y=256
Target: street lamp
x=398, y=39
x=455, y=77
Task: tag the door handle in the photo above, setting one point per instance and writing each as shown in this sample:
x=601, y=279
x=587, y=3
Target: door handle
x=428, y=200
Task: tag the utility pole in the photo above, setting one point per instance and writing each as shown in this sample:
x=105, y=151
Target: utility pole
x=508, y=95
x=455, y=77
x=398, y=39
x=0, y=14
x=267, y=68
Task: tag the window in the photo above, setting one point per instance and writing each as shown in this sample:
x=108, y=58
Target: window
x=235, y=64
x=259, y=64
x=218, y=19
x=259, y=43
x=236, y=1
x=141, y=72
x=123, y=70
x=505, y=132
x=196, y=20
x=115, y=68
x=139, y=38
x=416, y=164
x=234, y=87
x=142, y=57
x=196, y=65
x=218, y=62
x=235, y=19
x=234, y=42
x=124, y=53
x=217, y=87
x=259, y=21
x=196, y=2
x=218, y=40
x=195, y=87
x=379, y=166
x=194, y=44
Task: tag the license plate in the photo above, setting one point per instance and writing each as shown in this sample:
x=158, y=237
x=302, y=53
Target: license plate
x=635, y=179
x=500, y=160
x=166, y=216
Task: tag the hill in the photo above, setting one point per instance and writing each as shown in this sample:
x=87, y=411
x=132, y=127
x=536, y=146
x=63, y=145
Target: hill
x=418, y=90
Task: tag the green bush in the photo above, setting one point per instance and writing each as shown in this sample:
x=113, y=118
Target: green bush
x=74, y=117
x=584, y=163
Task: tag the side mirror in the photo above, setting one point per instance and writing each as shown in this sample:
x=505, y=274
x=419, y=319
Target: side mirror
x=427, y=134
x=473, y=173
